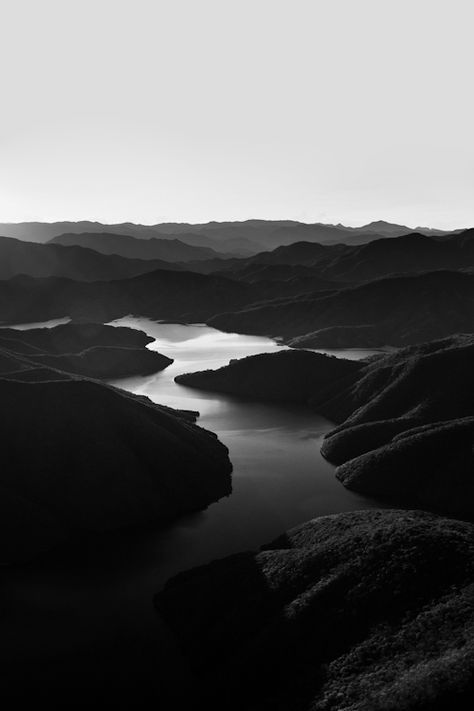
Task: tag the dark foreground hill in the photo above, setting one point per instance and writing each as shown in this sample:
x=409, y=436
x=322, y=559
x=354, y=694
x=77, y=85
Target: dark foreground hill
x=88, y=349
x=363, y=610
x=392, y=311
x=80, y=457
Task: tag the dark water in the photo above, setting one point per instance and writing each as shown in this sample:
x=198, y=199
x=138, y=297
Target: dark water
x=279, y=477
x=64, y=603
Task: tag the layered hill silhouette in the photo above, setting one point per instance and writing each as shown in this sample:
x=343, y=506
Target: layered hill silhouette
x=409, y=435
x=393, y=311
x=87, y=349
x=407, y=418
x=369, y=609
x=361, y=610
x=176, y=295
x=396, y=311
x=167, y=250
x=72, y=262
x=80, y=457
x=246, y=237
x=409, y=253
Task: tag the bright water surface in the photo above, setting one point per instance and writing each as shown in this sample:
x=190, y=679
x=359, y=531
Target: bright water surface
x=279, y=480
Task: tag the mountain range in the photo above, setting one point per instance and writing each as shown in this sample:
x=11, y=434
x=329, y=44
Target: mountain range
x=168, y=250
x=56, y=260
x=364, y=609
x=244, y=238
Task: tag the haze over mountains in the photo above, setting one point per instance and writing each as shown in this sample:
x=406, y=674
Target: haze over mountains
x=390, y=291
x=44, y=260
x=338, y=611
x=243, y=238
x=171, y=250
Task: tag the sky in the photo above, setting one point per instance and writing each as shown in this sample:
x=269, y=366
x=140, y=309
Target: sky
x=196, y=110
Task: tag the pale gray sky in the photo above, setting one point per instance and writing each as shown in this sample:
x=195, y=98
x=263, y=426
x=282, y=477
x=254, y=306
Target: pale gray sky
x=193, y=110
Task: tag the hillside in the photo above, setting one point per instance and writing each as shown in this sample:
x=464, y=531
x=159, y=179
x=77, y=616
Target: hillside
x=82, y=457
x=167, y=250
x=289, y=376
x=344, y=611
x=407, y=418
x=392, y=311
x=245, y=237
x=407, y=254
x=87, y=349
x=409, y=432
x=182, y=296
x=410, y=253
x=73, y=262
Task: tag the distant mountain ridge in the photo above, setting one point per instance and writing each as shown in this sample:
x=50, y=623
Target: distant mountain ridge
x=174, y=295
x=168, y=250
x=413, y=252
x=245, y=238
x=395, y=311
x=73, y=262
x=388, y=229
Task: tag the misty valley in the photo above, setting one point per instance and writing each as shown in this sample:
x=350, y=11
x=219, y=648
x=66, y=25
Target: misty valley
x=238, y=465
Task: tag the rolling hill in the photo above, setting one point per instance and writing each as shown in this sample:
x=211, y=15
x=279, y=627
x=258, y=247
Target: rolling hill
x=45, y=260
x=167, y=250
x=396, y=311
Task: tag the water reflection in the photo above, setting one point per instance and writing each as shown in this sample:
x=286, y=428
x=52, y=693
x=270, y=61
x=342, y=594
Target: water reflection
x=279, y=477
x=279, y=480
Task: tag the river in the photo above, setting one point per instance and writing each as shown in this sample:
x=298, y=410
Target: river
x=104, y=592
x=279, y=478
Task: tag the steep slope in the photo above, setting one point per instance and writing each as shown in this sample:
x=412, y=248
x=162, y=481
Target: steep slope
x=344, y=612
x=82, y=457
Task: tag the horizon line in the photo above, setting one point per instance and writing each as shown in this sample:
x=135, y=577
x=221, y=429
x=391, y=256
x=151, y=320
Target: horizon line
x=241, y=221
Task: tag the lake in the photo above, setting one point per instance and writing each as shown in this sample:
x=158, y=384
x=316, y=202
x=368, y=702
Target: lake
x=104, y=591
x=279, y=479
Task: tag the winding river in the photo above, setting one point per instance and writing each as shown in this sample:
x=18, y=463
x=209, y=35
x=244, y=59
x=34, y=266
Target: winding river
x=279, y=480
